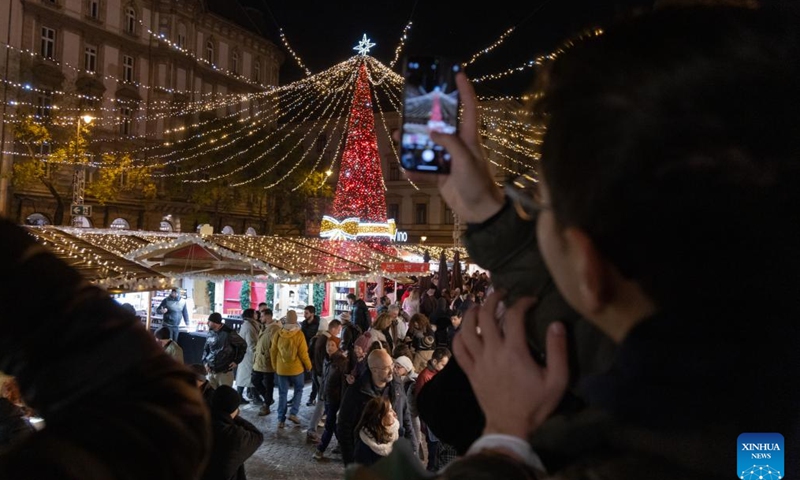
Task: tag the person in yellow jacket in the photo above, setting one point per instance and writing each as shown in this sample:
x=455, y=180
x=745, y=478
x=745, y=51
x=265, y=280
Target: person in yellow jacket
x=263, y=371
x=289, y=355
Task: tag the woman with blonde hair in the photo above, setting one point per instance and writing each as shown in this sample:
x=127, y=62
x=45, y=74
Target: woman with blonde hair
x=411, y=303
x=377, y=430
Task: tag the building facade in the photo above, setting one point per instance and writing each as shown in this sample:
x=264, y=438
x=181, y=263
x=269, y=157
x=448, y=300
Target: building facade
x=143, y=70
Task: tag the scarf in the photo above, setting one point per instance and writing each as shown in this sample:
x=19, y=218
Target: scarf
x=382, y=449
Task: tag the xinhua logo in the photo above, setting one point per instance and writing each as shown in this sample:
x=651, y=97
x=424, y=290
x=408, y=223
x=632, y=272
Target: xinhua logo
x=760, y=456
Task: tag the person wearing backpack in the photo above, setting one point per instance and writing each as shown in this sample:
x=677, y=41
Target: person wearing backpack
x=223, y=350
x=289, y=355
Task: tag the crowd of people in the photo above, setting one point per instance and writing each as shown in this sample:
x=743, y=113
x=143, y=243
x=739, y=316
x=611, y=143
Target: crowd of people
x=645, y=275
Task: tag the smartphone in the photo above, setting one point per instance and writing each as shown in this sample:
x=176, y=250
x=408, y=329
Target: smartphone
x=430, y=103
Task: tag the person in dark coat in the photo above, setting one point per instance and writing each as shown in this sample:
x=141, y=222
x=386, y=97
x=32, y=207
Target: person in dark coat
x=234, y=439
x=331, y=388
x=378, y=381
x=360, y=312
x=14, y=424
x=108, y=393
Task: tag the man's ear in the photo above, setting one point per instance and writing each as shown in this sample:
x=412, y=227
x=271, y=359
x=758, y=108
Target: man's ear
x=594, y=283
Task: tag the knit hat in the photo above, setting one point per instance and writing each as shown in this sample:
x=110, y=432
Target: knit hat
x=225, y=399
x=405, y=362
x=215, y=318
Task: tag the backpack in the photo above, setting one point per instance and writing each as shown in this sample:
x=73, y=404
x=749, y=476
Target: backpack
x=287, y=350
x=239, y=346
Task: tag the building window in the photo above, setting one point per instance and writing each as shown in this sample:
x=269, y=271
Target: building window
x=127, y=68
x=181, y=42
x=48, y=43
x=394, y=171
x=257, y=76
x=393, y=211
x=90, y=58
x=44, y=102
x=126, y=118
x=94, y=9
x=449, y=219
x=130, y=20
x=210, y=52
x=322, y=140
x=235, y=62
x=120, y=224
x=421, y=214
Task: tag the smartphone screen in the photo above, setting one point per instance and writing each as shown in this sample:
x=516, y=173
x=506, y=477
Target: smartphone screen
x=430, y=103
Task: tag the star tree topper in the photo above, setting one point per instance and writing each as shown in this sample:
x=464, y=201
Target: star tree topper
x=363, y=46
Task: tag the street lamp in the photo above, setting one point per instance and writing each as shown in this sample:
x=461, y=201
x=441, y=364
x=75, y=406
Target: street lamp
x=79, y=179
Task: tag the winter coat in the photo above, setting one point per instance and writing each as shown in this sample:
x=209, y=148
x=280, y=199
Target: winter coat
x=263, y=361
x=332, y=382
x=289, y=351
x=14, y=425
x=318, y=351
x=360, y=314
x=506, y=246
x=369, y=451
x=249, y=331
x=222, y=348
x=176, y=310
x=355, y=398
x=234, y=441
x=100, y=380
x=350, y=333
x=310, y=328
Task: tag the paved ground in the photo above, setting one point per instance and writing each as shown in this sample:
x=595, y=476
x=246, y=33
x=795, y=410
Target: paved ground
x=285, y=454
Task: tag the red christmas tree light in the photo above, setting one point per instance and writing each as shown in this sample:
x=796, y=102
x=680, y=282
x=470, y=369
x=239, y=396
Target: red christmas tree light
x=360, y=191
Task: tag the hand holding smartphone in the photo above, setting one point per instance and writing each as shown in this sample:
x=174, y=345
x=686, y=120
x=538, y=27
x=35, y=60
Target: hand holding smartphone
x=430, y=103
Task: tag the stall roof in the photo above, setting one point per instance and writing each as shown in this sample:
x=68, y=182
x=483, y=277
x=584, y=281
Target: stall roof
x=243, y=257
x=102, y=267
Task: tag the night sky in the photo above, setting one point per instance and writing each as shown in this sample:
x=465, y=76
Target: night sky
x=324, y=32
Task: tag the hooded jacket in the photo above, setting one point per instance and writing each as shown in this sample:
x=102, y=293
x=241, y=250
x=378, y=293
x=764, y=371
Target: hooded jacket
x=263, y=362
x=289, y=351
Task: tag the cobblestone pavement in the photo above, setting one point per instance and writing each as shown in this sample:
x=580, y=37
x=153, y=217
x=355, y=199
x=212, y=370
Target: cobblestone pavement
x=285, y=454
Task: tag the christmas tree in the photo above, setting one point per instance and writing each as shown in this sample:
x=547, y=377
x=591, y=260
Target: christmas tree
x=359, y=205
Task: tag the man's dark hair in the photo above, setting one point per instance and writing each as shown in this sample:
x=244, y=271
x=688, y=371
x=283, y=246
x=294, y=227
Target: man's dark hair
x=199, y=371
x=249, y=313
x=334, y=323
x=672, y=141
x=402, y=350
x=162, y=333
x=311, y=309
x=352, y=296
x=439, y=353
x=488, y=465
x=262, y=304
x=267, y=311
x=174, y=290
